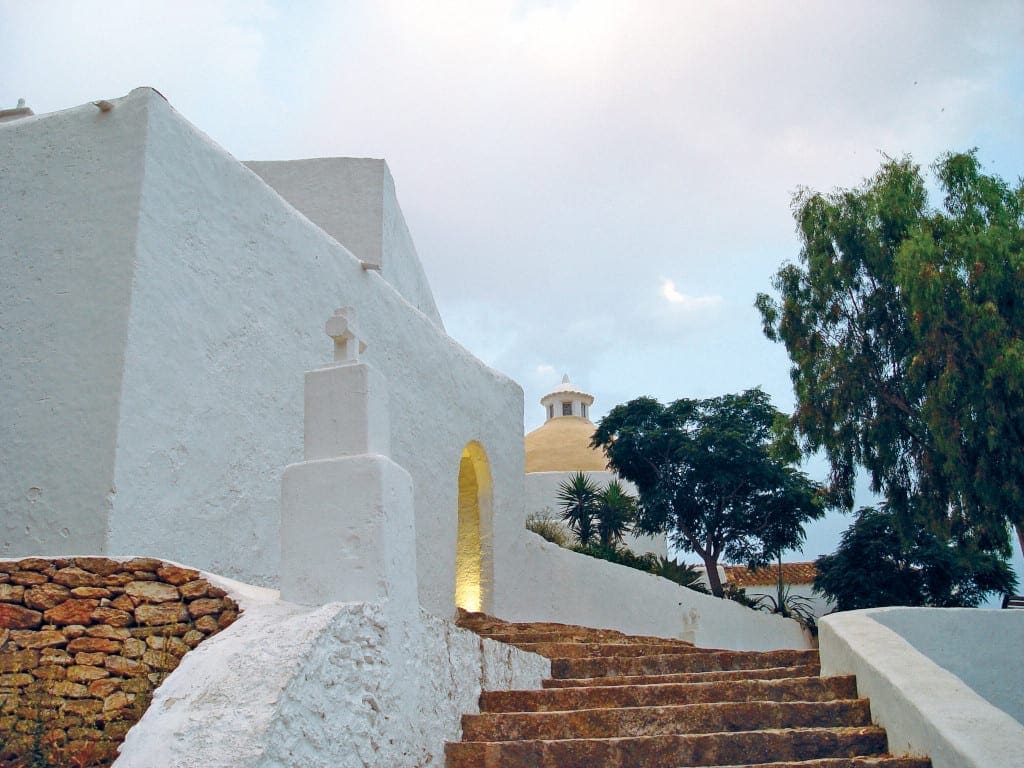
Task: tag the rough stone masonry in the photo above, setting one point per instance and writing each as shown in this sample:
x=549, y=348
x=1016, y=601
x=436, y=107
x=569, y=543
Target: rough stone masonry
x=84, y=641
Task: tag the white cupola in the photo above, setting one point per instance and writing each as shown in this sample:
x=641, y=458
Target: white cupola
x=567, y=400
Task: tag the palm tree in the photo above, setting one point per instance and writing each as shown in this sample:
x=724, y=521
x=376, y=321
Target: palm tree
x=616, y=510
x=577, y=498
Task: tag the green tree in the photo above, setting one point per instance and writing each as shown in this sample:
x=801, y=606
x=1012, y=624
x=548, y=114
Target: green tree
x=614, y=515
x=876, y=565
x=904, y=327
x=577, y=499
x=712, y=474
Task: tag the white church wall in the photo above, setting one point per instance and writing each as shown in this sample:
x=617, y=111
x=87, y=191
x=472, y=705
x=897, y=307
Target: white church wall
x=65, y=279
x=556, y=584
x=542, y=493
x=231, y=290
x=354, y=201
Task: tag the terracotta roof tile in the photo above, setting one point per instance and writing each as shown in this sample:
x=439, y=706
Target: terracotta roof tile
x=792, y=573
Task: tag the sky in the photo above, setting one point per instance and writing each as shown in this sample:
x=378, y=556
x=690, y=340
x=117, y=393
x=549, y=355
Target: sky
x=594, y=188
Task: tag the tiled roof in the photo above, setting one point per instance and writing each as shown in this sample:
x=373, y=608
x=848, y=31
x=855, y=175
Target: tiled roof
x=792, y=573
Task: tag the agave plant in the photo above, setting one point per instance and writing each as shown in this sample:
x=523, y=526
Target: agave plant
x=787, y=604
x=615, y=512
x=577, y=500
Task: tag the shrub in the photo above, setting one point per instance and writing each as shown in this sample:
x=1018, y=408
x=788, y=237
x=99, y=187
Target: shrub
x=544, y=524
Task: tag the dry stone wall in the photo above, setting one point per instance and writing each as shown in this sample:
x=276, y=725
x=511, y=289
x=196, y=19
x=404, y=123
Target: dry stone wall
x=84, y=641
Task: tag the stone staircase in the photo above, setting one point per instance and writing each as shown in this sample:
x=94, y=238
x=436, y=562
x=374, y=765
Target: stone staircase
x=624, y=701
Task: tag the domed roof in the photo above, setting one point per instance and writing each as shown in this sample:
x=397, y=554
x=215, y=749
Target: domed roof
x=567, y=387
x=562, y=444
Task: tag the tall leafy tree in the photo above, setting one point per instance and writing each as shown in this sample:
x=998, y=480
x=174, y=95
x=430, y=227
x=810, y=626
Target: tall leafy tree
x=903, y=323
x=712, y=474
x=961, y=276
x=577, y=499
x=876, y=565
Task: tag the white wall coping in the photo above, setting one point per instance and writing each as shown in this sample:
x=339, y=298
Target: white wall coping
x=925, y=709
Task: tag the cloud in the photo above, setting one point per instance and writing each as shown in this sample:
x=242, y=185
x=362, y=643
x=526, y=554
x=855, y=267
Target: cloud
x=555, y=159
x=687, y=303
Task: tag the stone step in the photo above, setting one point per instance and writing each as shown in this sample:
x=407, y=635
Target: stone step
x=679, y=662
x=767, y=673
x=884, y=761
x=720, y=717
x=672, y=750
x=543, y=631
x=594, y=697
x=602, y=636
x=583, y=650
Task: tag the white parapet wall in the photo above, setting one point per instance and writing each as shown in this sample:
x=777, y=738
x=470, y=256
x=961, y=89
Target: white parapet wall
x=556, y=584
x=340, y=685
x=943, y=682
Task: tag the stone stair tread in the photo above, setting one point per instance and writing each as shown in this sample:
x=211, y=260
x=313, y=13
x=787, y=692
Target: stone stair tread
x=584, y=649
x=488, y=626
x=688, y=662
x=672, y=750
x=605, y=636
x=873, y=761
x=718, y=717
x=728, y=691
x=761, y=673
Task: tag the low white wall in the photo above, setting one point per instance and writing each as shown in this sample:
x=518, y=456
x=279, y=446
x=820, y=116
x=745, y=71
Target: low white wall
x=981, y=647
x=926, y=708
x=556, y=584
x=339, y=685
x=542, y=493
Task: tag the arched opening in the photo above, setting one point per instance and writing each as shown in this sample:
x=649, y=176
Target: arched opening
x=473, y=566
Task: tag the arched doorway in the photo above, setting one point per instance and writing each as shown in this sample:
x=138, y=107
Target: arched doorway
x=473, y=566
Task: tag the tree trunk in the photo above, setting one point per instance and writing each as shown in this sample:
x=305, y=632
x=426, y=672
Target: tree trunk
x=711, y=568
x=1020, y=536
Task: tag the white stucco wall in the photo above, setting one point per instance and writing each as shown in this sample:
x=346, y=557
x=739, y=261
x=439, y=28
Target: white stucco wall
x=231, y=290
x=981, y=647
x=340, y=685
x=65, y=280
x=556, y=584
x=920, y=666
x=354, y=201
x=542, y=493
